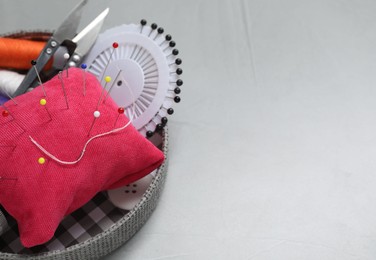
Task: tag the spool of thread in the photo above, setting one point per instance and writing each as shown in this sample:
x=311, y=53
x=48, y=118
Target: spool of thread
x=9, y=82
x=17, y=53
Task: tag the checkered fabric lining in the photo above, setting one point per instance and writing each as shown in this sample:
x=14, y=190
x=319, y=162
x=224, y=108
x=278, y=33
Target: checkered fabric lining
x=93, y=218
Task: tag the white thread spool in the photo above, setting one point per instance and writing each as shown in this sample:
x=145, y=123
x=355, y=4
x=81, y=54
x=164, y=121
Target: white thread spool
x=9, y=82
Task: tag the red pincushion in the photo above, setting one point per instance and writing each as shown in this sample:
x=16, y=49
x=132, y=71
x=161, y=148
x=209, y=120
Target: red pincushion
x=39, y=195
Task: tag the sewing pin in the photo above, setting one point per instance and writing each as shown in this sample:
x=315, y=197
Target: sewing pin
x=83, y=67
x=174, y=52
x=34, y=63
x=179, y=82
x=150, y=72
x=179, y=71
x=43, y=103
x=178, y=61
x=112, y=85
x=143, y=22
x=120, y=111
x=11, y=98
x=96, y=115
x=171, y=44
x=167, y=39
x=153, y=27
x=63, y=87
x=170, y=111
x=6, y=113
x=160, y=31
x=66, y=57
x=107, y=79
x=115, y=45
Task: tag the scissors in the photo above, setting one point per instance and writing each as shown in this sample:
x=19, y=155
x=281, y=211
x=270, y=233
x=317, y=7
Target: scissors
x=76, y=45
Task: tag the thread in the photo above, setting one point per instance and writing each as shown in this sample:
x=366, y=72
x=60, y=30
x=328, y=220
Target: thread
x=17, y=53
x=53, y=157
x=9, y=82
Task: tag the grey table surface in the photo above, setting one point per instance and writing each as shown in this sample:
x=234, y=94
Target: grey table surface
x=272, y=149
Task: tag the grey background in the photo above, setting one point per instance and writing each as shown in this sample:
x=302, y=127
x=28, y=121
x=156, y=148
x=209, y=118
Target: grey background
x=273, y=146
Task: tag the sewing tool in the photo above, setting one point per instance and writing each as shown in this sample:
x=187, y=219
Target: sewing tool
x=85, y=39
x=41, y=160
x=178, y=61
x=113, y=84
x=83, y=67
x=115, y=45
x=120, y=111
x=96, y=114
x=107, y=79
x=160, y=31
x=143, y=23
x=171, y=44
x=146, y=60
x=43, y=103
x=63, y=87
x=153, y=27
x=66, y=57
x=62, y=36
x=33, y=63
x=11, y=98
x=6, y=113
x=167, y=39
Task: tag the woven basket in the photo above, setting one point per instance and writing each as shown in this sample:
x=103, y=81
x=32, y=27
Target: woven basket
x=117, y=234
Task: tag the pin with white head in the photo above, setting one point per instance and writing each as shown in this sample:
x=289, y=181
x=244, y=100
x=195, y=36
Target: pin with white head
x=96, y=114
x=63, y=87
x=115, y=45
x=66, y=58
x=83, y=67
x=34, y=63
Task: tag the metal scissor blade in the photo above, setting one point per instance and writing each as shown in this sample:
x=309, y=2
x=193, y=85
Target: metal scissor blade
x=68, y=28
x=86, y=38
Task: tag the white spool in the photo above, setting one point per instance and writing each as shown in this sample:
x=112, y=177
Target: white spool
x=9, y=82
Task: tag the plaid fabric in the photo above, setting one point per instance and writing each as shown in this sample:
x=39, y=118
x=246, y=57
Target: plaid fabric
x=90, y=220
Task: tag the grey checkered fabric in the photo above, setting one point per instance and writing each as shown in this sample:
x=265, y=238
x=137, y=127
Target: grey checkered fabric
x=3, y=223
x=94, y=230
